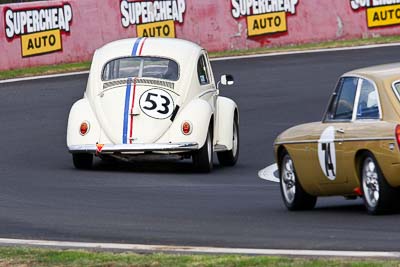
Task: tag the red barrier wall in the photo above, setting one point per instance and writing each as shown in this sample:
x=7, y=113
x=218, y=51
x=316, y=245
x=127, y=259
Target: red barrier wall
x=208, y=22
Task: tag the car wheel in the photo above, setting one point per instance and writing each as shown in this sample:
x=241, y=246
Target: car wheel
x=293, y=194
x=379, y=197
x=203, y=158
x=230, y=157
x=82, y=161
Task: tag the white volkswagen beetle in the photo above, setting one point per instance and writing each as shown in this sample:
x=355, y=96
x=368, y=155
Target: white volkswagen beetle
x=153, y=97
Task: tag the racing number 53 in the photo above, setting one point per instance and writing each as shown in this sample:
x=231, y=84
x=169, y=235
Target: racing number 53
x=154, y=104
x=157, y=103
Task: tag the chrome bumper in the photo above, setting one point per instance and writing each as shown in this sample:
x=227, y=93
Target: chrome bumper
x=134, y=148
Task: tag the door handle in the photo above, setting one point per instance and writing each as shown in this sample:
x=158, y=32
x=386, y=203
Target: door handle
x=340, y=131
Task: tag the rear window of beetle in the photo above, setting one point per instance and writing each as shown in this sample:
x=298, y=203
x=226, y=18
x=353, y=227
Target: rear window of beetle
x=141, y=67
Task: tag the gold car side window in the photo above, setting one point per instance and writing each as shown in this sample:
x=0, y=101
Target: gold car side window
x=368, y=104
x=342, y=102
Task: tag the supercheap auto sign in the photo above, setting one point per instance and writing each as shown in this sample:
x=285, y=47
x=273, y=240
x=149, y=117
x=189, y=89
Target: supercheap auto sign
x=38, y=28
x=153, y=18
x=380, y=13
x=264, y=16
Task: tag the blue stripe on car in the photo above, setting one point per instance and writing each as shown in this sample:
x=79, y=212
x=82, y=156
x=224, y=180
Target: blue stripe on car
x=128, y=96
x=135, y=47
x=126, y=111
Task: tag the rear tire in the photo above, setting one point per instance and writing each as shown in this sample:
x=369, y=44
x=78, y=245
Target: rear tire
x=203, y=158
x=379, y=197
x=293, y=194
x=230, y=157
x=82, y=161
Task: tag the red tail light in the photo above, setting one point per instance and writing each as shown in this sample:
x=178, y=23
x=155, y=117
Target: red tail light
x=358, y=191
x=186, y=128
x=398, y=135
x=84, y=129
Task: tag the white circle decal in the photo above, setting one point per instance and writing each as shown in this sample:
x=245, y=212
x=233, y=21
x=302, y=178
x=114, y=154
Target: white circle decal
x=157, y=103
x=327, y=153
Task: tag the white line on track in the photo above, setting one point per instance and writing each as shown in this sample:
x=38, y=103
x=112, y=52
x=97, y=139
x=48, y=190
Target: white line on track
x=44, y=77
x=221, y=59
x=269, y=173
x=187, y=249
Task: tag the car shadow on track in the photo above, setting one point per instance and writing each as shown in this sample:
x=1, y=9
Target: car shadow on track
x=159, y=166
x=353, y=209
x=350, y=208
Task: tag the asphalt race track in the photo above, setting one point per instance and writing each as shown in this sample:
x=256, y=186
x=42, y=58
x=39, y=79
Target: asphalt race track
x=43, y=197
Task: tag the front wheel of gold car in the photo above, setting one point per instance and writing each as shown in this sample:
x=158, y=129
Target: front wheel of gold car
x=293, y=194
x=379, y=197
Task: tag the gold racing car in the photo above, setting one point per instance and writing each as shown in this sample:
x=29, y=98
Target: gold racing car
x=354, y=151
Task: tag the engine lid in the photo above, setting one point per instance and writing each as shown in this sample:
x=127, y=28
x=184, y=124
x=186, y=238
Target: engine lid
x=136, y=113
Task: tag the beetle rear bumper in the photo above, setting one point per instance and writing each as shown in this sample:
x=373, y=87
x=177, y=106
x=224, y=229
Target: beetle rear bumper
x=133, y=148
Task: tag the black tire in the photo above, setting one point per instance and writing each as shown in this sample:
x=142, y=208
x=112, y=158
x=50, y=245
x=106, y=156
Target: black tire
x=82, y=161
x=293, y=194
x=379, y=197
x=230, y=157
x=203, y=158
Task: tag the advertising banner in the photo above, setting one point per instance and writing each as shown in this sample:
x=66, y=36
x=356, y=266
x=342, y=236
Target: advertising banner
x=39, y=29
x=53, y=32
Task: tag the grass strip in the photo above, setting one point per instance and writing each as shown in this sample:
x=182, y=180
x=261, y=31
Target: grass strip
x=17, y=256
x=81, y=66
x=44, y=70
x=310, y=46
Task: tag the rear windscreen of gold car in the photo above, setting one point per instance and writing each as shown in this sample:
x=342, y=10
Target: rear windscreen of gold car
x=138, y=67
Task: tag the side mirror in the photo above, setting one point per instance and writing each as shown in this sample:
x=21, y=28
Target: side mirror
x=227, y=79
